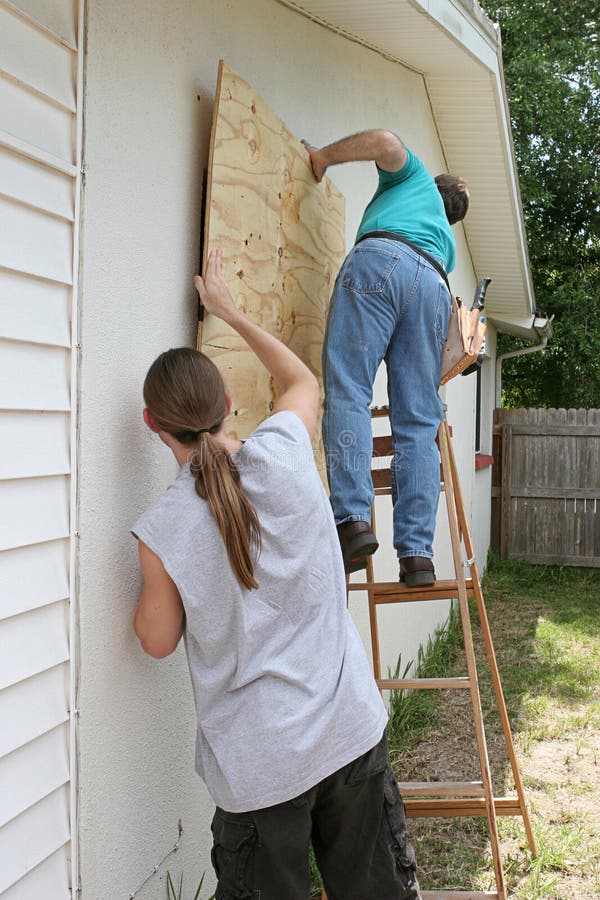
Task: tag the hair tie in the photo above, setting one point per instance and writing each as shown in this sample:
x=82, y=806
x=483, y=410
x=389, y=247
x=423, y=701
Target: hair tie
x=214, y=427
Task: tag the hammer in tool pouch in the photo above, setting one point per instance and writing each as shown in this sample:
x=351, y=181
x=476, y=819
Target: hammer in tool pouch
x=465, y=341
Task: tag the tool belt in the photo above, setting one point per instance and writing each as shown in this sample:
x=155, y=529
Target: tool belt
x=465, y=338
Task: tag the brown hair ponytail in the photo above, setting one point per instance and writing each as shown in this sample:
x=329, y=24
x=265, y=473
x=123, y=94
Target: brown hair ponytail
x=185, y=393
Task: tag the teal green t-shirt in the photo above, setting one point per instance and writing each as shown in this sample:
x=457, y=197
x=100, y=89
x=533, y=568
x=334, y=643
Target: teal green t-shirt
x=408, y=203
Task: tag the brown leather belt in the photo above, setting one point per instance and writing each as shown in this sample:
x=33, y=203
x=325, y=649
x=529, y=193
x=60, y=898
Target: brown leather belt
x=391, y=235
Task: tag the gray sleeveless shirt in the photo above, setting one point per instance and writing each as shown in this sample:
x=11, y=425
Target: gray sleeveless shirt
x=284, y=693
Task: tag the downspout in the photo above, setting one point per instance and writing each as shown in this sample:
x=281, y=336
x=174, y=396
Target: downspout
x=546, y=334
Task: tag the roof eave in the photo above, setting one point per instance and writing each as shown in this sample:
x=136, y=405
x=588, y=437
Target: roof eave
x=531, y=328
x=458, y=52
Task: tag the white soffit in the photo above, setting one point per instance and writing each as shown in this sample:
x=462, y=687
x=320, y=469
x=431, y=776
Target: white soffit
x=457, y=50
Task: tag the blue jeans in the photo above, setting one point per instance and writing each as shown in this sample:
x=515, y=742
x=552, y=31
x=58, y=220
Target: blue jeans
x=388, y=303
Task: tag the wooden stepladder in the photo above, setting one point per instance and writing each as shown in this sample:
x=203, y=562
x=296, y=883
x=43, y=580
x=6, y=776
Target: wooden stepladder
x=449, y=799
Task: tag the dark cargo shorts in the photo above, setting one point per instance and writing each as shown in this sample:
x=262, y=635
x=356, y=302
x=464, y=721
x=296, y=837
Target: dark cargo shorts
x=357, y=824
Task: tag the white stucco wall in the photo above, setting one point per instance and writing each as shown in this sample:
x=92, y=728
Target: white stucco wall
x=150, y=81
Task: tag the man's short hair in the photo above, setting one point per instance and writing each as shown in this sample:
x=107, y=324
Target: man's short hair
x=455, y=195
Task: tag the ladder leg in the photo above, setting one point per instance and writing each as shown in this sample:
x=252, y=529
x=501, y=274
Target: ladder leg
x=491, y=655
x=373, y=609
x=455, y=536
x=516, y=773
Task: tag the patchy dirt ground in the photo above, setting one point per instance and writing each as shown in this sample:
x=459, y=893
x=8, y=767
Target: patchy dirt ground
x=557, y=738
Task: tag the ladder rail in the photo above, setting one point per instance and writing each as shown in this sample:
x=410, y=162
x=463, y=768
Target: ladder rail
x=463, y=601
x=491, y=653
x=374, y=627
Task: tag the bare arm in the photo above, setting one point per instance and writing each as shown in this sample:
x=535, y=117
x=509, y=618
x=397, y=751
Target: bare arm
x=383, y=147
x=160, y=617
x=300, y=387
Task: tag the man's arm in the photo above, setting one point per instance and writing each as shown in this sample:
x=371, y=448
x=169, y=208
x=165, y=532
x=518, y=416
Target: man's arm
x=160, y=617
x=383, y=147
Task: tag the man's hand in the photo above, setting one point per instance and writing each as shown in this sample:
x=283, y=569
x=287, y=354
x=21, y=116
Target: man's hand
x=382, y=147
x=213, y=289
x=317, y=160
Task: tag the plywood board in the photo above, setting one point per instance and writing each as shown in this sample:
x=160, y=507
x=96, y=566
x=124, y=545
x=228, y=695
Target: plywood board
x=283, y=241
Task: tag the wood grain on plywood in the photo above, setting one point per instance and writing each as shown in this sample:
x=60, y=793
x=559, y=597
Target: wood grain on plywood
x=283, y=241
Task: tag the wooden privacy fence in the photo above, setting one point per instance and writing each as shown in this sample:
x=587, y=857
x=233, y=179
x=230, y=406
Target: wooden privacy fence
x=546, y=486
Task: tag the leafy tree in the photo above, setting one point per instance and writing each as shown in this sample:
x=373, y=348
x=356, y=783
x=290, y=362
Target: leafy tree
x=550, y=51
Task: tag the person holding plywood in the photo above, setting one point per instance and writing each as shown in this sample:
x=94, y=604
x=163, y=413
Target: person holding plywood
x=241, y=557
x=390, y=302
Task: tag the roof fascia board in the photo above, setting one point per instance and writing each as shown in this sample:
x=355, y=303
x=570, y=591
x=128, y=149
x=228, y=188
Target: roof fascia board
x=475, y=12
x=464, y=28
x=504, y=119
x=530, y=328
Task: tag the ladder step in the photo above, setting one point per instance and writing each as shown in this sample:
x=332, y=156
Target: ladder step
x=397, y=592
x=416, y=684
x=386, y=592
x=451, y=895
x=441, y=788
x=458, y=895
x=378, y=412
x=470, y=807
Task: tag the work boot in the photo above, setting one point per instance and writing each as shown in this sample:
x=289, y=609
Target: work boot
x=357, y=542
x=417, y=571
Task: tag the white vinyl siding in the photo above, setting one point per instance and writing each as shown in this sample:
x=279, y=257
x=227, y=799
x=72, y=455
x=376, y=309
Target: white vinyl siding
x=39, y=184
x=34, y=243
x=24, y=435
x=29, y=183
x=34, y=377
x=23, y=781
x=34, y=311
x=57, y=17
x=49, y=879
x=33, y=836
x=33, y=707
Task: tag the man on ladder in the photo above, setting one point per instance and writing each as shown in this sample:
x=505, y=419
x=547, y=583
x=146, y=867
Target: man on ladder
x=390, y=301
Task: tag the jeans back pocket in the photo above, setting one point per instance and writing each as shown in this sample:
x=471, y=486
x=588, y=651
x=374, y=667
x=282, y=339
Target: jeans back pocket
x=370, y=269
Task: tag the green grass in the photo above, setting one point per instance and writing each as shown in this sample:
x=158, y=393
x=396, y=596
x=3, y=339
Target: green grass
x=412, y=712
x=177, y=894
x=545, y=623
x=551, y=676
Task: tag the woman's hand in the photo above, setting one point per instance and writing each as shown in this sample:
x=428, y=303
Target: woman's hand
x=300, y=387
x=213, y=290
